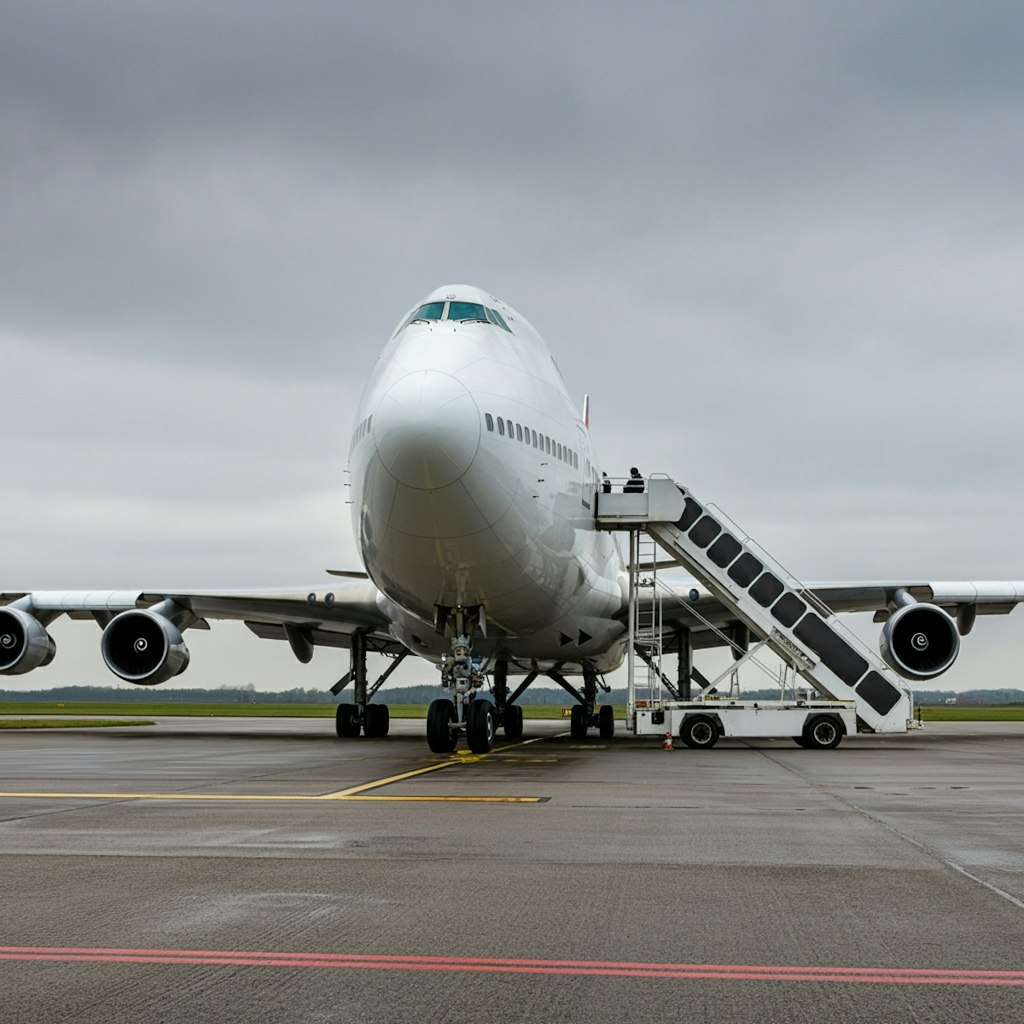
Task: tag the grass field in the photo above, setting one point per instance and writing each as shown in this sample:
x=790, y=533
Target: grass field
x=943, y=713
x=992, y=713
x=154, y=708
x=68, y=723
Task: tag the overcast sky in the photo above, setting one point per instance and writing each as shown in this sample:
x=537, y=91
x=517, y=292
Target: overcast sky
x=781, y=246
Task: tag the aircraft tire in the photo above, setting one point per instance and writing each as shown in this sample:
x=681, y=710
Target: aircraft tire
x=699, y=732
x=606, y=721
x=346, y=721
x=441, y=738
x=377, y=721
x=513, y=722
x=480, y=726
x=578, y=722
x=823, y=732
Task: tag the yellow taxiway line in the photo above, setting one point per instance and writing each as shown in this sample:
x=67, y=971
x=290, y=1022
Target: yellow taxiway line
x=354, y=793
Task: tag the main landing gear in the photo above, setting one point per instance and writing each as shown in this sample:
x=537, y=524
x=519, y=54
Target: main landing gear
x=587, y=714
x=372, y=720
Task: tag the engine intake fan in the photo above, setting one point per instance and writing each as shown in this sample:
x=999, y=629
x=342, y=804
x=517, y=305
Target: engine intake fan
x=24, y=642
x=144, y=647
x=920, y=641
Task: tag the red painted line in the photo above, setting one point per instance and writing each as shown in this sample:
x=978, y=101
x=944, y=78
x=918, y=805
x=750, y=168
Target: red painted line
x=589, y=968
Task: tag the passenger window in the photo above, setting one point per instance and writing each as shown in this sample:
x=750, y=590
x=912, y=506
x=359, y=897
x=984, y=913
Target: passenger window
x=489, y=420
x=547, y=444
x=534, y=432
x=501, y=426
x=519, y=432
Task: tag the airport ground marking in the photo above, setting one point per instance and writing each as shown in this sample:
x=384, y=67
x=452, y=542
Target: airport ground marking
x=460, y=757
x=360, y=793
x=504, y=965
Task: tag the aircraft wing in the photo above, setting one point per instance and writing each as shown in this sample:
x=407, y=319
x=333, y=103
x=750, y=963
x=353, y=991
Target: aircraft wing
x=319, y=615
x=692, y=606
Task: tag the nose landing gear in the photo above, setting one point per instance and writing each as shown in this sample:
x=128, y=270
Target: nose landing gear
x=466, y=710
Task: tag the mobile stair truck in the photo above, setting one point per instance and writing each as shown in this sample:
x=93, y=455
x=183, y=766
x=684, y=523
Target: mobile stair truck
x=837, y=685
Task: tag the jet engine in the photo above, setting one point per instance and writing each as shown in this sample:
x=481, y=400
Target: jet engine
x=920, y=641
x=143, y=647
x=24, y=642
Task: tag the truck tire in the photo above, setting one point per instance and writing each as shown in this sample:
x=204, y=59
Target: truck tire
x=699, y=732
x=823, y=732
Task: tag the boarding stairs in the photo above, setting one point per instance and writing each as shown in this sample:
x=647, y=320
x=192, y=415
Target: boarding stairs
x=646, y=631
x=780, y=612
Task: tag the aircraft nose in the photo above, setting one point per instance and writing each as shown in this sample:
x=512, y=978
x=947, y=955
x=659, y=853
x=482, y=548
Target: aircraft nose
x=427, y=430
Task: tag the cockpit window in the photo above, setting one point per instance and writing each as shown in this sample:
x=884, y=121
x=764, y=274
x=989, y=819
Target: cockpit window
x=495, y=317
x=466, y=311
x=428, y=311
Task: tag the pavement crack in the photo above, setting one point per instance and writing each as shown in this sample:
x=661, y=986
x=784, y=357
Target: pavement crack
x=925, y=848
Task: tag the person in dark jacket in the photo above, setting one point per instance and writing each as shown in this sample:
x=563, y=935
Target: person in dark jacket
x=635, y=483
x=606, y=484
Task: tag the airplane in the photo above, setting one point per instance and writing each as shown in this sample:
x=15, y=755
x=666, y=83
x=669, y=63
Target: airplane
x=474, y=486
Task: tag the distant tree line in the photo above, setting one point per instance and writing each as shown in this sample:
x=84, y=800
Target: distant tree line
x=422, y=694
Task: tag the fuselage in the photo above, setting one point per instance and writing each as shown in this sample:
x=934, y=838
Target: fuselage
x=473, y=481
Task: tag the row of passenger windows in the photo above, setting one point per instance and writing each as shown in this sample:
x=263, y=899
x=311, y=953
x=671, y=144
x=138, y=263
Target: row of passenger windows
x=519, y=432
x=363, y=429
x=463, y=312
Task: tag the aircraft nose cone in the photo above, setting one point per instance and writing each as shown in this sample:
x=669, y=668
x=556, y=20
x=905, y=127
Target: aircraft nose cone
x=427, y=430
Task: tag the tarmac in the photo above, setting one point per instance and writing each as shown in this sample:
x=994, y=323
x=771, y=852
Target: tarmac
x=263, y=870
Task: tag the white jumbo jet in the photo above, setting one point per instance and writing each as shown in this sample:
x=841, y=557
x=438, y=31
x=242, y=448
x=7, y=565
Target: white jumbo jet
x=474, y=491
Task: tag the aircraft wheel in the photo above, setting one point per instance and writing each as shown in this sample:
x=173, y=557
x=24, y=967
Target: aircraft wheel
x=480, y=726
x=823, y=733
x=606, y=721
x=578, y=722
x=699, y=732
x=377, y=721
x=513, y=722
x=441, y=738
x=346, y=721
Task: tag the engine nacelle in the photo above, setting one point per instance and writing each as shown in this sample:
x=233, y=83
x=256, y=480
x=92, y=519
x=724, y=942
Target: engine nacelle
x=920, y=641
x=143, y=647
x=24, y=642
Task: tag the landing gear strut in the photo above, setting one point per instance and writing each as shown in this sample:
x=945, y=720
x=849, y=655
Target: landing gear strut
x=373, y=720
x=465, y=710
x=586, y=713
x=510, y=716
x=462, y=678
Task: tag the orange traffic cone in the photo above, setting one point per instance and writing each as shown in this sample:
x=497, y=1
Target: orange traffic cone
x=666, y=743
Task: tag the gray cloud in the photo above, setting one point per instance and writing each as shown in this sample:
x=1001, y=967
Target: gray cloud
x=786, y=240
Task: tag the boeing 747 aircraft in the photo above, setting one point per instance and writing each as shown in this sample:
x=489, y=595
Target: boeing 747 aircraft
x=474, y=484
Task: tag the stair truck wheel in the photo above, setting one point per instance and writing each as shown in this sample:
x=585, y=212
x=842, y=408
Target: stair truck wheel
x=699, y=732
x=823, y=732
